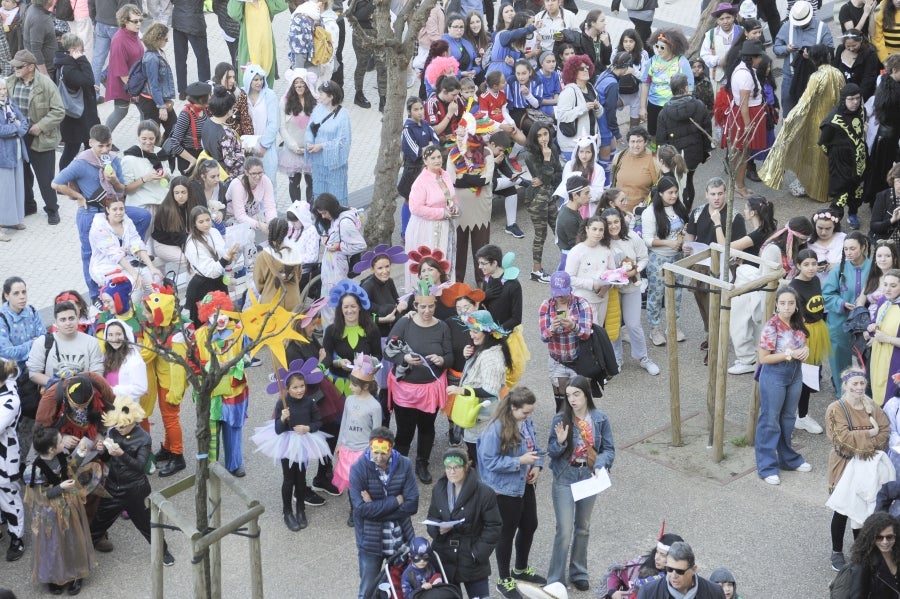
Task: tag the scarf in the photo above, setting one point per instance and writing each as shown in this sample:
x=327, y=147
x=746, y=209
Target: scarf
x=155, y=159
x=691, y=593
x=9, y=114
x=466, y=166
x=195, y=113
x=92, y=159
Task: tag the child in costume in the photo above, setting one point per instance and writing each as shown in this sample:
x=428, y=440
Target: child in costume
x=293, y=436
x=362, y=415
x=63, y=553
x=420, y=575
x=125, y=450
x=228, y=406
x=11, y=510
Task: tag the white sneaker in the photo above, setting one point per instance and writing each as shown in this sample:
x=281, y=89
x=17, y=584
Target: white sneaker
x=679, y=335
x=741, y=368
x=621, y=363
x=809, y=425
x=657, y=338
x=804, y=467
x=773, y=479
x=649, y=365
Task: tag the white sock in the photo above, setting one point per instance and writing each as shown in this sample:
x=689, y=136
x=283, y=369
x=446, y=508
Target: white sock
x=512, y=204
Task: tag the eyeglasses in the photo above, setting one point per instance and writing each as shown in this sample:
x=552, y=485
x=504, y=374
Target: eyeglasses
x=20, y=67
x=135, y=21
x=679, y=571
x=880, y=538
x=452, y=468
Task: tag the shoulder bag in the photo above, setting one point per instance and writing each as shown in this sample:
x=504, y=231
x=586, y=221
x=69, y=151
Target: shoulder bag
x=73, y=102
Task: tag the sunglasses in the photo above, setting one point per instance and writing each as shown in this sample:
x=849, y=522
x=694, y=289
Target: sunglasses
x=679, y=571
x=885, y=537
x=660, y=47
x=584, y=67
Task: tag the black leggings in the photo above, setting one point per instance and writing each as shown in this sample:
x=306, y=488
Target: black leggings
x=838, y=527
x=408, y=421
x=295, y=189
x=519, y=515
x=293, y=483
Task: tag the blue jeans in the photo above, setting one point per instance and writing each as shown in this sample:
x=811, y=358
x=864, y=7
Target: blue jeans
x=102, y=37
x=571, y=517
x=369, y=574
x=779, y=394
x=83, y=219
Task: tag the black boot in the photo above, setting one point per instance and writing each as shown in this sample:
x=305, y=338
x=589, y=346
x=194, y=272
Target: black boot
x=361, y=101
x=290, y=521
x=176, y=464
x=751, y=171
x=302, y=522
x=350, y=518
x=163, y=455
x=422, y=472
x=381, y=101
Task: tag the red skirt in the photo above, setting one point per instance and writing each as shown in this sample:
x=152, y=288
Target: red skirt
x=735, y=128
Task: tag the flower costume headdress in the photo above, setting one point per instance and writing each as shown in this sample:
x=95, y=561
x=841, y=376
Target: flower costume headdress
x=396, y=254
x=348, y=287
x=423, y=251
x=308, y=369
x=365, y=367
x=483, y=322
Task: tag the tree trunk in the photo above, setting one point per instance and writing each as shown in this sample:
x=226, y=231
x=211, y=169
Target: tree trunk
x=201, y=493
x=379, y=226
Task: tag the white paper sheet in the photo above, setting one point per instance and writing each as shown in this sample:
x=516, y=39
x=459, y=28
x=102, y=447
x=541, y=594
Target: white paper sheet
x=443, y=524
x=696, y=248
x=810, y=376
x=591, y=486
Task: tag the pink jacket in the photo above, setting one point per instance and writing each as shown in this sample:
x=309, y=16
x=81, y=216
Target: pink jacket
x=263, y=209
x=427, y=199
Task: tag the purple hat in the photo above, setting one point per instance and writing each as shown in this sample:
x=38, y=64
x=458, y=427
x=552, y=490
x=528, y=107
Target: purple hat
x=560, y=284
x=722, y=8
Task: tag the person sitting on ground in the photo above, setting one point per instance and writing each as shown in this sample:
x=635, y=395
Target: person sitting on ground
x=681, y=578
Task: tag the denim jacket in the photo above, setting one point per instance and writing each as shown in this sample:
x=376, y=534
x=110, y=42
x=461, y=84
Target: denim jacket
x=502, y=471
x=160, y=81
x=603, y=445
x=12, y=135
x=18, y=331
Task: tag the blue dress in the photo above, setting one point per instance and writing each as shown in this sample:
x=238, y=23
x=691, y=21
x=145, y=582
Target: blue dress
x=329, y=167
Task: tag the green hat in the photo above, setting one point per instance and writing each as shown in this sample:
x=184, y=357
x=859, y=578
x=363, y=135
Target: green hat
x=482, y=321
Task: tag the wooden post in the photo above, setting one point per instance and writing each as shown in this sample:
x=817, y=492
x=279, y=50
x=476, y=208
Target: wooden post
x=753, y=414
x=215, y=551
x=721, y=379
x=671, y=327
x=715, y=302
x=256, y=583
x=157, y=541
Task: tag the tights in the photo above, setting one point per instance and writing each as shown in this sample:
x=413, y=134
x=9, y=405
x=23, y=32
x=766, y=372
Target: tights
x=519, y=515
x=838, y=527
x=293, y=482
x=296, y=187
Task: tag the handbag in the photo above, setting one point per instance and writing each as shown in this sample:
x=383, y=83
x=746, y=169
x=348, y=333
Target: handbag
x=466, y=407
x=628, y=84
x=73, y=102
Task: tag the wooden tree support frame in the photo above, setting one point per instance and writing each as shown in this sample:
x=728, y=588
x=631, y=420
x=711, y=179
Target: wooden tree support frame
x=162, y=510
x=719, y=335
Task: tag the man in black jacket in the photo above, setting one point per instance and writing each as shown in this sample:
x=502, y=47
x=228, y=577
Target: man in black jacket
x=364, y=12
x=681, y=578
x=189, y=25
x=685, y=122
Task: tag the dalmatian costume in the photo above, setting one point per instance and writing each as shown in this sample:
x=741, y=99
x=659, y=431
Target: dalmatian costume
x=11, y=511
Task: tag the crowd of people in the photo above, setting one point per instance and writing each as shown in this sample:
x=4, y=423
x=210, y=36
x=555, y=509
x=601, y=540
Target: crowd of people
x=525, y=108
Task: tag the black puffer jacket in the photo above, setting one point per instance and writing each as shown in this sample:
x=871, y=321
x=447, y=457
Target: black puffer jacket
x=127, y=470
x=674, y=127
x=466, y=550
x=187, y=17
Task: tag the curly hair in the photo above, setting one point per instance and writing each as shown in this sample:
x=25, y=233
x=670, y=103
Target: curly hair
x=155, y=36
x=864, y=550
x=570, y=69
x=672, y=38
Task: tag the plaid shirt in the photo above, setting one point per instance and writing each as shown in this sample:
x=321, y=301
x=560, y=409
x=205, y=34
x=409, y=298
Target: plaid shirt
x=21, y=95
x=563, y=345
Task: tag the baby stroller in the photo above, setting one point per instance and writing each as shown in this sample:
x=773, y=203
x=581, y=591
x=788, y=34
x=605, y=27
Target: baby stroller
x=395, y=566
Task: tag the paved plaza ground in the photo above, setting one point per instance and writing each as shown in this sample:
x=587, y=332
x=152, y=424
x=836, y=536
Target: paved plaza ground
x=774, y=539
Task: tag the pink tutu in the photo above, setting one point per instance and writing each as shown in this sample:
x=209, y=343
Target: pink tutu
x=297, y=449
x=346, y=459
x=291, y=163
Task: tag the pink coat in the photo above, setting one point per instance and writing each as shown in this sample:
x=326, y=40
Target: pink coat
x=426, y=199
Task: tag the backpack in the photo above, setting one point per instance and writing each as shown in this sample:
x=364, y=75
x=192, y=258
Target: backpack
x=323, y=48
x=137, y=79
x=63, y=11
x=633, y=4
x=840, y=587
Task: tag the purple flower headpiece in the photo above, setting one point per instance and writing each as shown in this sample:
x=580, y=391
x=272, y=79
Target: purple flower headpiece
x=396, y=254
x=308, y=369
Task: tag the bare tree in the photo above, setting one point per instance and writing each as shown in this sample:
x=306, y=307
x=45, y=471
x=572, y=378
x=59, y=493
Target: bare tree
x=395, y=44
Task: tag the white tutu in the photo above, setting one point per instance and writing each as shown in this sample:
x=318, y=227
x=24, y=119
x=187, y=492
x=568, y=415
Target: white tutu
x=297, y=449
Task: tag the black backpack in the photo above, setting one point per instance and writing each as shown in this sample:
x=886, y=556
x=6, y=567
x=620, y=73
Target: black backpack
x=840, y=586
x=137, y=79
